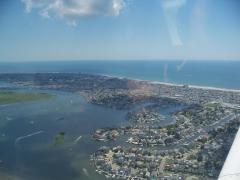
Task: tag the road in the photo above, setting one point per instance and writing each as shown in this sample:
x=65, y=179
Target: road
x=203, y=131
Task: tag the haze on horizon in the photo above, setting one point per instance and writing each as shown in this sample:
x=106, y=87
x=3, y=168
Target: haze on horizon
x=34, y=30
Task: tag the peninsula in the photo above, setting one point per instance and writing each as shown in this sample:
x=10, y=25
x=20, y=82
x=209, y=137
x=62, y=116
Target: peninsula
x=170, y=131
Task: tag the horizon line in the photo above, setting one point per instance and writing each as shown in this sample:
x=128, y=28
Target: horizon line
x=79, y=60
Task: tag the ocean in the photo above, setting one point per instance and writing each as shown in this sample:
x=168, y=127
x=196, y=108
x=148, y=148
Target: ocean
x=221, y=74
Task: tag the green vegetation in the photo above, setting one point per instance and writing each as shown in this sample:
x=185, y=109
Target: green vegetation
x=59, y=138
x=188, y=114
x=7, y=97
x=171, y=129
x=213, y=105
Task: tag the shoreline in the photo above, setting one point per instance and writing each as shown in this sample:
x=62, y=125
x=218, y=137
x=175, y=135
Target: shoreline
x=191, y=86
x=174, y=84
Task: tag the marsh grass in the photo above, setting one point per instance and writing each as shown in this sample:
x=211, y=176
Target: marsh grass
x=8, y=97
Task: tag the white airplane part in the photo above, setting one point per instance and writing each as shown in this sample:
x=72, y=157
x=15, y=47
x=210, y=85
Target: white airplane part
x=231, y=167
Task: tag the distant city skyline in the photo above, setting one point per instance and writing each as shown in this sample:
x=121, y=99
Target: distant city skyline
x=51, y=30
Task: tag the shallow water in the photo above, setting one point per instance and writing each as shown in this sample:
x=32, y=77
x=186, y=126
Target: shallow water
x=36, y=157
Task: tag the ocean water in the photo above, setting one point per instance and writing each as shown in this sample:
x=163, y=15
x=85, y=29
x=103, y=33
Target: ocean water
x=222, y=74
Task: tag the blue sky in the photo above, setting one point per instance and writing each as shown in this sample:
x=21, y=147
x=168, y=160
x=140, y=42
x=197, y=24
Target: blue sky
x=34, y=30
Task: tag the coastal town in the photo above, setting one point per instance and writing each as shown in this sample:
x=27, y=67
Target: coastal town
x=171, y=132
x=173, y=152
x=202, y=159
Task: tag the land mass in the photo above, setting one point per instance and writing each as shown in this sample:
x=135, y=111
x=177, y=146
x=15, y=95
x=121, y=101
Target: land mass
x=8, y=97
x=172, y=132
